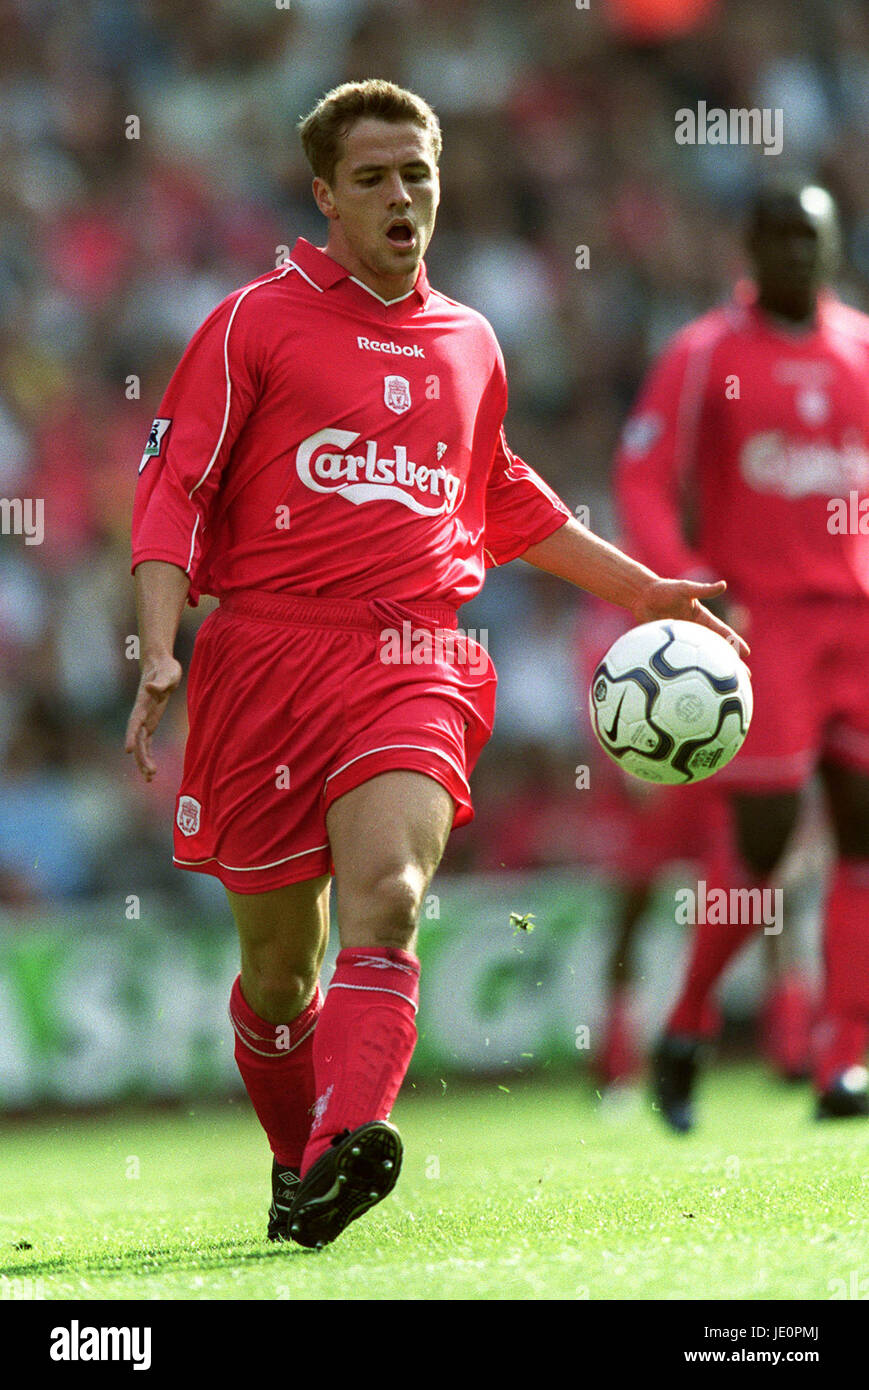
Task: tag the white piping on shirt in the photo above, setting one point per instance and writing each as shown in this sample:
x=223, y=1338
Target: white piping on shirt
x=312, y=283
x=211, y=462
x=377, y=296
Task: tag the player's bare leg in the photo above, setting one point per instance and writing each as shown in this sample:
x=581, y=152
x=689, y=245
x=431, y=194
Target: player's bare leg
x=764, y=824
x=617, y=1061
x=839, y=1071
x=787, y=1013
x=387, y=837
x=283, y=935
x=274, y=1008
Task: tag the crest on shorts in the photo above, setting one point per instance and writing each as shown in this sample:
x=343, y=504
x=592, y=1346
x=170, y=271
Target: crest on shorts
x=189, y=811
x=396, y=393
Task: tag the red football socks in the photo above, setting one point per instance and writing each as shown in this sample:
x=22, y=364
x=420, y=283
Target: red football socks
x=364, y=1041
x=713, y=946
x=276, y=1061
x=843, y=1031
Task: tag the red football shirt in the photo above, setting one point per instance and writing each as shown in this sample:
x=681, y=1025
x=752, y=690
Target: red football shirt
x=740, y=438
x=318, y=440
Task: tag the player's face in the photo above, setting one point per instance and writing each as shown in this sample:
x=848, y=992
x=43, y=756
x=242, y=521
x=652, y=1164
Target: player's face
x=382, y=203
x=793, y=246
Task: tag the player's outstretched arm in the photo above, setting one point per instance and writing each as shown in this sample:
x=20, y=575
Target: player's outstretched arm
x=578, y=555
x=161, y=592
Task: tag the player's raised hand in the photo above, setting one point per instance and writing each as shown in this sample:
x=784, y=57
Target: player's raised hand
x=160, y=676
x=683, y=598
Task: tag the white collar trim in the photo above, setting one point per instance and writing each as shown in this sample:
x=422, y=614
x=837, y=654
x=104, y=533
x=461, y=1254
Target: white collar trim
x=379, y=297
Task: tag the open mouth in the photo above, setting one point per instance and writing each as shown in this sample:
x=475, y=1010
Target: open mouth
x=400, y=233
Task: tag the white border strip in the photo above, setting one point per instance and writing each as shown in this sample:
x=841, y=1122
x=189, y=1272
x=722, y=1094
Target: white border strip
x=376, y=296
x=312, y=283
x=251, y=869
x=273, y=1056
x=375, y=989
x=387, y=747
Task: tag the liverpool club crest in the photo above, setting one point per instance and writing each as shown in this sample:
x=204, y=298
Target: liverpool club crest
x=396, y=393
x=187, y=818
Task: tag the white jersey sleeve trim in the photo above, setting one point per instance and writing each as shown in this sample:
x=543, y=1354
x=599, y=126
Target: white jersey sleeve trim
x=192, y=545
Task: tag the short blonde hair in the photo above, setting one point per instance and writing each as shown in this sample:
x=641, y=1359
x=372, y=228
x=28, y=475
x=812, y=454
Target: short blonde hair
x=323, y=129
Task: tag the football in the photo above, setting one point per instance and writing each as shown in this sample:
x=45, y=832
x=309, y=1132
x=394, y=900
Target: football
x=671, y=702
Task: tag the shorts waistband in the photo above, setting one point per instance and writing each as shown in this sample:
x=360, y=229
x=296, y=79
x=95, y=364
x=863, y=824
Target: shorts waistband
x=372, y=614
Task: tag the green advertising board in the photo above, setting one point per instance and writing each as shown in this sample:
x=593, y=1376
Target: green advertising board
x=123, y=999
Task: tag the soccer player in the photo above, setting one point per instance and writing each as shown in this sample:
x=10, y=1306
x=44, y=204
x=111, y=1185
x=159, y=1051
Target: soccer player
x=329, y=460
x=746, y=456
x=641, y=832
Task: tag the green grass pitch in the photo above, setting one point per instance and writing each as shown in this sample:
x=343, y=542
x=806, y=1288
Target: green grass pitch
x=521, y=1189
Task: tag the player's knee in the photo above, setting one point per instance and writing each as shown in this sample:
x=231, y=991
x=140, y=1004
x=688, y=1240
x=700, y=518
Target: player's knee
x=277, y=995
x=392, y=905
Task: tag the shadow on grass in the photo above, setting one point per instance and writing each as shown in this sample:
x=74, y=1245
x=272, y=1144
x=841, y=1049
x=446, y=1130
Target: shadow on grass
x=154, y=1259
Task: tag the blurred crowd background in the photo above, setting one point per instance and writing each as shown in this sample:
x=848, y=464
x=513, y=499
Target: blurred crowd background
x=118, y=236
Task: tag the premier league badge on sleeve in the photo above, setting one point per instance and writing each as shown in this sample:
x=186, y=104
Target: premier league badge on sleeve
x=155, y=441
x=396, y=393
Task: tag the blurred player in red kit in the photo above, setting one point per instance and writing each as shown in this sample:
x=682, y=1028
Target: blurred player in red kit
x=640, y=832
x=329, y=460
x=744, y=452
x=638, y=835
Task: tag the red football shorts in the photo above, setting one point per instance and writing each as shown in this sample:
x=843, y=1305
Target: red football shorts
x=637, y=830
x=294, y=701
x=810, y=672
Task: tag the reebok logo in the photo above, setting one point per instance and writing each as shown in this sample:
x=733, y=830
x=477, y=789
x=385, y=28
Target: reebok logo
x=408, y=350
x=320, y=1106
